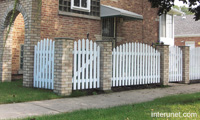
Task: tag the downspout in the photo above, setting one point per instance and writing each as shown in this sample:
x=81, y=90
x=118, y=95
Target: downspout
x=143, y=21
x=159, y=29
x=115, y=27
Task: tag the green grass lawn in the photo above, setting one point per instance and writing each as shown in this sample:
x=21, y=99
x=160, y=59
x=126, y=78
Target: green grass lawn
x=173, y=104
x=12, y=92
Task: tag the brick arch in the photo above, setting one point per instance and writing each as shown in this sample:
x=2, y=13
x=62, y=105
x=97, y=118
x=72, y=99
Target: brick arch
x=8, y=13
x=6, y=64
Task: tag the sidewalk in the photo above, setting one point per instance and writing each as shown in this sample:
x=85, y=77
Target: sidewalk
x=20, y=110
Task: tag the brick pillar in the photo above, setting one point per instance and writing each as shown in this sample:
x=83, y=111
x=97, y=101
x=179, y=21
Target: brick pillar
x=164, y=63
x=105, y=64
x=7, y=58
x=186, y=64
x=63, y=66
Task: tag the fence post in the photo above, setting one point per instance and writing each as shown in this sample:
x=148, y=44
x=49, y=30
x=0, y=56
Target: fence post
x=186, y=64
x=63, y=66
x=105, y=64
x=164, y=63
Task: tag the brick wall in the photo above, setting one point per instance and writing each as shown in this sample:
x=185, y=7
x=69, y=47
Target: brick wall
x=146, y=30
x=18, y=39
x=29, y=9
x=55, y=25
x=180, y=41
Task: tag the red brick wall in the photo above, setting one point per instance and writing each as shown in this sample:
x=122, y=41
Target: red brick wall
x=54, y=25
x=146, y=30
x=18, y=39
x=180, y=41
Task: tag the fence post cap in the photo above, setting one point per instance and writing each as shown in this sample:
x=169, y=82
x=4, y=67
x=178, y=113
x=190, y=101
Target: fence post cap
x=104, y=41
x=183, y=46
x=65, y=38
x=162, y=45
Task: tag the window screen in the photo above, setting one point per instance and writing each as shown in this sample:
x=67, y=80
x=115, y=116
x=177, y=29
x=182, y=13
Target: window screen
x=108, y=27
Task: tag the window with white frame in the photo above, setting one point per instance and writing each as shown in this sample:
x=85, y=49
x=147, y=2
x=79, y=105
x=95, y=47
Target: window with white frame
x=166, y=26
x=82, y=5
x=169, y=26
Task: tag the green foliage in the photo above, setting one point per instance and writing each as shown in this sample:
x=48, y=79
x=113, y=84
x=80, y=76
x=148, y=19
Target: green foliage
x=9, y=28
x=165, y=6
x=183, y=9
x=176, y=7
x=12, y=20
x=186, y=10
x=185, y=103
x=94, y=93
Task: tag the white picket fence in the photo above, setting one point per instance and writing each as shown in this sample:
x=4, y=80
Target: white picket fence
x=86, y=65
x=135, y=64
x=175, y=64
x=44, y=64
x=195, y=64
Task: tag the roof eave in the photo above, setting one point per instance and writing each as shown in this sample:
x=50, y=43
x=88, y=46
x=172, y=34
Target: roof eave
x=112, y=12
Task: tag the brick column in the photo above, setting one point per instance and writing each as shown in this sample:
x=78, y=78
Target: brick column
x=186, y=64
x=105, y=64
x=164, y=63
x=63, y=66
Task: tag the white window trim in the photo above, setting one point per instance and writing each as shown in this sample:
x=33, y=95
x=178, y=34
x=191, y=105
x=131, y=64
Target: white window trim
x=81, y=8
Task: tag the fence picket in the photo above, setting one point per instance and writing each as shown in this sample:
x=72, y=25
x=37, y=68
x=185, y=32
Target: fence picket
x=79, y=64
x=95, y=60
x=194, y=64
x=135, y=64
x=44, y=64
x=98, y=67
x=175, y=64
x=132, y=65
x=117, y=68
x=88, y=61
x=83, y=64
x=114, y=55
x=129, y=64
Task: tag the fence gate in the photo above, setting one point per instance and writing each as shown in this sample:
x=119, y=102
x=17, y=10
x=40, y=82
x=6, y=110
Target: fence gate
x=175, y=64
x=44, y=64
x=86, y=65
x=135, y=64
x=195, y=64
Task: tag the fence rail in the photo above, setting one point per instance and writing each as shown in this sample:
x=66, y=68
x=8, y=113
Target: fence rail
x=195, y=64
x=86, y=65
x=44, y=64
x=135, y=64
x=175, y=64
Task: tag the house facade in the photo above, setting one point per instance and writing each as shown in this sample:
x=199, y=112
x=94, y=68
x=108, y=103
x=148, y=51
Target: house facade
x=187, y=31
x=120, y=21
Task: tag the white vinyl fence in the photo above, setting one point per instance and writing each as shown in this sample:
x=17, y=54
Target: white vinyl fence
x=195, y=64
x=86, y=65
x=175, y=64
x=135, y=64
x=44, y=64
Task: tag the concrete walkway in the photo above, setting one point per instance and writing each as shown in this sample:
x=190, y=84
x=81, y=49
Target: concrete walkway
x=20, y=110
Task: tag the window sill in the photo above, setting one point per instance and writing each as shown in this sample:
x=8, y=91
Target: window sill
x=78, y=15
x=80, y=9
